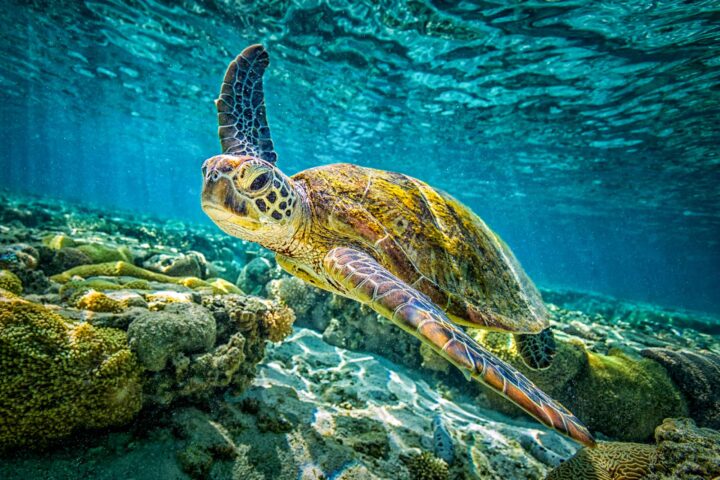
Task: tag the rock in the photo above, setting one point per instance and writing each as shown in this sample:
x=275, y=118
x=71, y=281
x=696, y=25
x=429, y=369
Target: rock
x=192, y=264
x=256, y=274
x=621, y=396
x=229, y=363
x=65, y=259
x=179, y=328
x=685, y=452
x=22, y=260
x=697, y=374
x=89, y=378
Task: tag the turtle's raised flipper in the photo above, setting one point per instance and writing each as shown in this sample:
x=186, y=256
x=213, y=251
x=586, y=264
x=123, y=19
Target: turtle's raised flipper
x=359, y=276
x=537, y=350
x=242, y=121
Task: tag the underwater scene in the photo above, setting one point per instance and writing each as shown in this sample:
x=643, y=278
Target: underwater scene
x=335, y=239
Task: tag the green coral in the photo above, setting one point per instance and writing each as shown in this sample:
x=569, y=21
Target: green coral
x=10, y=282
x=58, y=242
x=621, y=396
x=100, y=253
x=426, y=466
x=58, y=377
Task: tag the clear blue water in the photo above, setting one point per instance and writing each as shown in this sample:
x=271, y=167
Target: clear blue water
x=585, y=133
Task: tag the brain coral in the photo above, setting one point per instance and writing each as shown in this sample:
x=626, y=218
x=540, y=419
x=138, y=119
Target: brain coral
x=59, y=376
x=607, y=461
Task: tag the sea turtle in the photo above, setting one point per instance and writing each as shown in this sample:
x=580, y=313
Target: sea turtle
x=412, y=253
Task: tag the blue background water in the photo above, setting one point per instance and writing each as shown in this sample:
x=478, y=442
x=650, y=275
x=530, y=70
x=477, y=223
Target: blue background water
x=585, y=133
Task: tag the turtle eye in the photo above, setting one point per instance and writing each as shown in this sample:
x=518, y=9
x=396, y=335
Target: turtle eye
x=260, y=181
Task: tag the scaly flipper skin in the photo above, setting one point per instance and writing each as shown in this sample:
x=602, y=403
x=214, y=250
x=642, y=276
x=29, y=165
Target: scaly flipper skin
x=242, y=121
x=361, y=277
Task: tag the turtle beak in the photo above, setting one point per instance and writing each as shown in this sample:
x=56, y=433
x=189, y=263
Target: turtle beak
x=224, y=205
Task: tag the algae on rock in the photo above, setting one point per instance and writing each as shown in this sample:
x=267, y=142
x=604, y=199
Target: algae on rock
x=618, y=395
x=180, y=328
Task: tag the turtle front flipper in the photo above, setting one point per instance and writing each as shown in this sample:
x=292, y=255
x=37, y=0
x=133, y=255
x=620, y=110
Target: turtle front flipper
x=359, y=276
x=242, y=122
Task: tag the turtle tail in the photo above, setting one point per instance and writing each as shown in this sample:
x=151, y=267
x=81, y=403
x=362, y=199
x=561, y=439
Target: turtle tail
x=537, y=350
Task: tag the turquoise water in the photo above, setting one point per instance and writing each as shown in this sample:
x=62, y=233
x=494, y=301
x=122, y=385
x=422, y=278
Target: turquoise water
x=585, y=133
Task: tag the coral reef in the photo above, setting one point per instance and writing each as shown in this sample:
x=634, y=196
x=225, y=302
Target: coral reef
x=190, y=264
x=607, y=461
x=697, y=375
x=426, y=466
x=180, y=328
x=22, y=260
x=256, y=274
x=682, y=452
x=685, y=452
x=193, y=350
x=122, y=268
x=89, y=377
x=10, y=282
x=278, y=323
x=619, y=312
x=624, y=397
x=99, y=253
x=313, y=408
x=98, y=302
x=621, y=396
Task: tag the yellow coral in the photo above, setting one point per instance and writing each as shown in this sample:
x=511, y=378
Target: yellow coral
x=220, y=285
x=125, y=269
x=99, y=302
x=278, y=323
x=58, y=377
x=59, y=241
x=10, y=282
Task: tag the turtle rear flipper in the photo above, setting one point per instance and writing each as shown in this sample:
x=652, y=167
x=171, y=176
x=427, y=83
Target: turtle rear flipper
x=537, y=350
x=360, y=276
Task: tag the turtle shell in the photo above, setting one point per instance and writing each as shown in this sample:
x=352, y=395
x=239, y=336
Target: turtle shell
x=428, y=239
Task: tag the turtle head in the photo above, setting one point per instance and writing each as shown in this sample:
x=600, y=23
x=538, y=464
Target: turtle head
x=250, y=198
